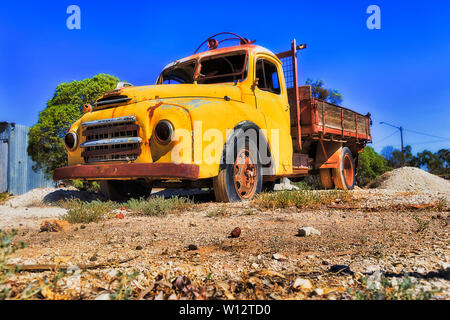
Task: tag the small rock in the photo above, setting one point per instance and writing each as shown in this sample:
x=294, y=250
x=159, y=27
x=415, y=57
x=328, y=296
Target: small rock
x=302, y=284
x=235, y=233
x=372, y=269
x=308, y=231
x=82, y=226
x=139, y=248
x=112, y=273
x=318, y=291
x=420, y=270
x=374, y=281
x=255, y=265
x=54, y=225
x=103, y=296
x=341, y=269
x=285, y=185
x=93, y=258
x=192, y=247
x=279, y=257
x=159, y=296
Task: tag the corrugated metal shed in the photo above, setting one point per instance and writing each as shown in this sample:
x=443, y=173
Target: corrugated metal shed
x=16, y=167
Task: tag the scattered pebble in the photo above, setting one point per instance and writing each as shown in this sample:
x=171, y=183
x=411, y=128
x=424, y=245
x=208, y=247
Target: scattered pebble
x=192, y=247
x=308, y=231
x=302, y=284
x=235, y=233
x=279, y=257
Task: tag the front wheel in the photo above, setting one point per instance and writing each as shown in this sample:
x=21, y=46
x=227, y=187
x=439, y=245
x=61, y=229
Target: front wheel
x=242, y=179
x=344, y=176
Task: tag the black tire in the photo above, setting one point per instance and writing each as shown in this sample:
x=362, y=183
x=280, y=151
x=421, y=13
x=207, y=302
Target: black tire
x=269, y=186
x=344, y=176
x=228, y=188
x=123, y=190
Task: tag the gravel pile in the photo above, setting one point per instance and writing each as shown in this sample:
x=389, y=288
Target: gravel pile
x=411, y=179
x=45, y=196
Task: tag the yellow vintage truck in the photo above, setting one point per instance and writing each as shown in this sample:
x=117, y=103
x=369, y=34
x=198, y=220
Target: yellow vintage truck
x=231, y=118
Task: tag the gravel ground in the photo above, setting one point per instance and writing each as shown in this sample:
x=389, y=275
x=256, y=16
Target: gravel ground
x=391, y=232
x=370, y=242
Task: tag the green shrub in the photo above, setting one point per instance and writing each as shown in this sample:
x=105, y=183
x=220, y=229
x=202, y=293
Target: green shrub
x=4, y=197
x=157, y=206
x=124, y=289
x=92, y=186
x=370, y=166
x=404, y=290
x=86, y=212
x=300, y=199
x=7, y=248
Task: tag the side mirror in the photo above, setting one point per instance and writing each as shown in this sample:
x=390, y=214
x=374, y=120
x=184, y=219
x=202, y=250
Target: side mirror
x=255, y=84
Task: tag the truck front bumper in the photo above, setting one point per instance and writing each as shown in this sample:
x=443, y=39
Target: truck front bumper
x=127, y=171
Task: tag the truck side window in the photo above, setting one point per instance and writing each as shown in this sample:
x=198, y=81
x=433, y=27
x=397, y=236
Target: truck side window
x=268, y=76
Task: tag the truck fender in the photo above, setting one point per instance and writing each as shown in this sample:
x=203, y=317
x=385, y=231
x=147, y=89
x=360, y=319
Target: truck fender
x=254, y=132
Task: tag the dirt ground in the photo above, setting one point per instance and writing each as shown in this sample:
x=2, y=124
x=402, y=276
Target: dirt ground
x=383, y=233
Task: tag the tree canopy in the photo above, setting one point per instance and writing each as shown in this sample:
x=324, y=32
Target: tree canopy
x=320, y=92
x=436, y=163
x=370, y=166
x=46, y=137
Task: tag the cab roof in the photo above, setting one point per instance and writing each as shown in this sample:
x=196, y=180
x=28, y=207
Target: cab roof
x=249, y=47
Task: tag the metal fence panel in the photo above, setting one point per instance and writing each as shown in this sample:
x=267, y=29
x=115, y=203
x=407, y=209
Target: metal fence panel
x=3, y=166
x=21, y=177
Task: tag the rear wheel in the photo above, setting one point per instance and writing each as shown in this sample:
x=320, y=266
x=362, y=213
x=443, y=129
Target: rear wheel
x=326, y=178
x=242, y=179
x=122, y=190
x=344, y=176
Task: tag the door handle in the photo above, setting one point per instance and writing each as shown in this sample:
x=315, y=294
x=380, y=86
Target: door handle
x=287, y=108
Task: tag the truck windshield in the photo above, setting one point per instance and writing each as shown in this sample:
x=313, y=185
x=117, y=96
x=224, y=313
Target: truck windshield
x=180, y=73
x=223, y=68
x=213, y=69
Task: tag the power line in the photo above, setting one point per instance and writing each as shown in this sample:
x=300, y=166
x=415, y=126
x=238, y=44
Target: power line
x=426, y=134
x=387, y=137
x=428, y=142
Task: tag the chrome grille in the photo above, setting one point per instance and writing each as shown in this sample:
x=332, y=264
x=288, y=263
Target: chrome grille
x=114, y=139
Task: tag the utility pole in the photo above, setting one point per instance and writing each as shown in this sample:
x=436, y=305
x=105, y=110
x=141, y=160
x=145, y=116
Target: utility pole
x=401, y=139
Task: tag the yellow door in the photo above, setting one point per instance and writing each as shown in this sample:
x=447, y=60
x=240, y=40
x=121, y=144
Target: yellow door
x=271, y=99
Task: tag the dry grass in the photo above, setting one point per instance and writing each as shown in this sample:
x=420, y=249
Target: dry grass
x=301, y=199
x=157, y=206
x=4, y=197
x=87, y=212
x=220, y=211
x=95, y=211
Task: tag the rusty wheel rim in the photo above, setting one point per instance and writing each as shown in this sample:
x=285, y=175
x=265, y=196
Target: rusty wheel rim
x=348, y=170
x=245, y=174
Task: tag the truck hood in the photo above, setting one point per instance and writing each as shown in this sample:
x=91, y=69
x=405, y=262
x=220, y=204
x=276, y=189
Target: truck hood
x=165, y=91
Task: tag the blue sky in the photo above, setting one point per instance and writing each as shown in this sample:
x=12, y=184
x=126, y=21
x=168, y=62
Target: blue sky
x=400, y=74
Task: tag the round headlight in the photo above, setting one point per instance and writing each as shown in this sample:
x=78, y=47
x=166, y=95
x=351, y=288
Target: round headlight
x=164, y=132
x=71, y=141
